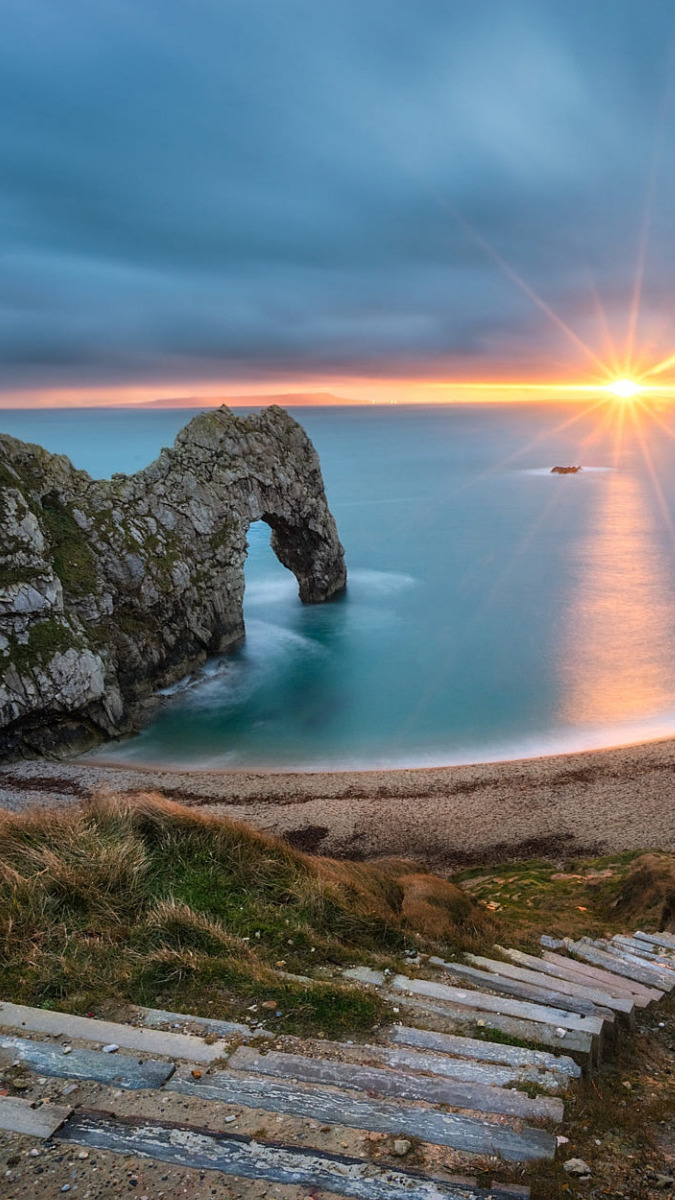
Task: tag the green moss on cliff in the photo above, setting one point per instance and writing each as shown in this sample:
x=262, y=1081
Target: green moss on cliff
x=223, y=535
x=8, y=478
x=73, y=560
x=12, y=575
x=45, y=639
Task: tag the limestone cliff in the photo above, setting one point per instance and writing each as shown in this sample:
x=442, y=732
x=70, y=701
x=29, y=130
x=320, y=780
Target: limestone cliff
x=110, y=590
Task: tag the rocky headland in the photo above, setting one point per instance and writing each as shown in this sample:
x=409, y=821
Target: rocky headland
x=112, y=589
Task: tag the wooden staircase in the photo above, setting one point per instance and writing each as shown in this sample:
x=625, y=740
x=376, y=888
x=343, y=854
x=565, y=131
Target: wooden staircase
x=447, y=1076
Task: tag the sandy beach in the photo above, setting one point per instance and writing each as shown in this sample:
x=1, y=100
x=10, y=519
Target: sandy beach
x=596, y=802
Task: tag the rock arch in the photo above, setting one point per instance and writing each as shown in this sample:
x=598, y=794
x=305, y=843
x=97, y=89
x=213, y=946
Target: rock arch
x=112, y=589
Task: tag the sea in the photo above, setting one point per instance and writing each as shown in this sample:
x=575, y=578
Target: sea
x=494, y=610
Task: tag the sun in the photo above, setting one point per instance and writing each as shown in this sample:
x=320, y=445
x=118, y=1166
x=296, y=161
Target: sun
x=624, y=389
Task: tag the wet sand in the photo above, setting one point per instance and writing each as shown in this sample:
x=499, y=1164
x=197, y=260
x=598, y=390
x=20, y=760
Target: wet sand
x=596, y=802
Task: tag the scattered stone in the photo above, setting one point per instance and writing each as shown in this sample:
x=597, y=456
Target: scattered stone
x=561, y=1140
x=401, y=1147
x=577, y=1167
x=111, y=1048
x=664, y=1181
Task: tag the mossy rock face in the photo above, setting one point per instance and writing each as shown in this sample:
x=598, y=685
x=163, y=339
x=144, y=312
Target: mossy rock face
x=72, y=556
x=138, y=579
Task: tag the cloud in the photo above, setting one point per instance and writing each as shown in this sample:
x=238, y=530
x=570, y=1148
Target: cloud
x=244, y=188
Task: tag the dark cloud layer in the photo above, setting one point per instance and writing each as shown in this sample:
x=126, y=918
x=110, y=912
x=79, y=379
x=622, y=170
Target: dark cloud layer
x=254, y=188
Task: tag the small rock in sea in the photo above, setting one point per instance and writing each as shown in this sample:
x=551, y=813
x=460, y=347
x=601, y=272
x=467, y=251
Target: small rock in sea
x=401, y=1147
x=577, y=1167
x=67, y=1049
x=111, y=1048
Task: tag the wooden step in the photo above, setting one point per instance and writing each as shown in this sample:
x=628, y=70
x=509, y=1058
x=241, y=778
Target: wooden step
x=617, y=984
x=155, y=1018
x=24, y=1116
x=494, y=981
x=667, y=940
x=564, y=987
x=476, y=1097
x=118, y=1070
x=662, y=972
x=456, y=1018
x=233, y=1154
x=646, y=950
x=489, y=1052
x=466, y=1069
x=578, y=974
x=497, y=1004
x=333, y=1106
x=88, y=1029
x=619, y=964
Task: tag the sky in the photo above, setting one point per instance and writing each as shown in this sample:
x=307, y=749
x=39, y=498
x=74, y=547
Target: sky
x=372, y=198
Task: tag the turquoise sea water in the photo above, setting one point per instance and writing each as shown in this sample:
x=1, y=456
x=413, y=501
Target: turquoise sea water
x=493, y=609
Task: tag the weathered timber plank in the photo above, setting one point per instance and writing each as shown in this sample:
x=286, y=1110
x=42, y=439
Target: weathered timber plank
x=564, y=987
x=492, y=1052
x=232, y=1154
x=19, y=1116
x=478, y=1097
x=497, y=1004
x=154, y=1018
x=119, y=1070
x=146, y=1041
x=456, y=1018
x=576, y=973
x=538, y=994
x=465, y=1069
x=617, y=963
x=646, y=950
x=334, y=1106
x=365, y=975
x=667, y=940
x=662, y=973
x=609, y=979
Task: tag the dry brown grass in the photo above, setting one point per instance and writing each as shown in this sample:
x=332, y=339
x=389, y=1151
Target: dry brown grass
x=143, y=899
x=647, y=894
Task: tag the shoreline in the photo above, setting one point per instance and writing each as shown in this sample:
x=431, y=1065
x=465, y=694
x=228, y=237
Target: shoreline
x=557, y=806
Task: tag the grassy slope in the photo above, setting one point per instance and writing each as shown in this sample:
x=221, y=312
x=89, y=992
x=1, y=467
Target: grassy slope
x=144, y=901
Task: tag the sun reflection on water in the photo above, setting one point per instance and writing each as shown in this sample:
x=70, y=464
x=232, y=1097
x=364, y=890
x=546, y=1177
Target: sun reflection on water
x=618, y=639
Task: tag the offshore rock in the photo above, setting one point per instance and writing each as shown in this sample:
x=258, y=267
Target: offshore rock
x=112, y=589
